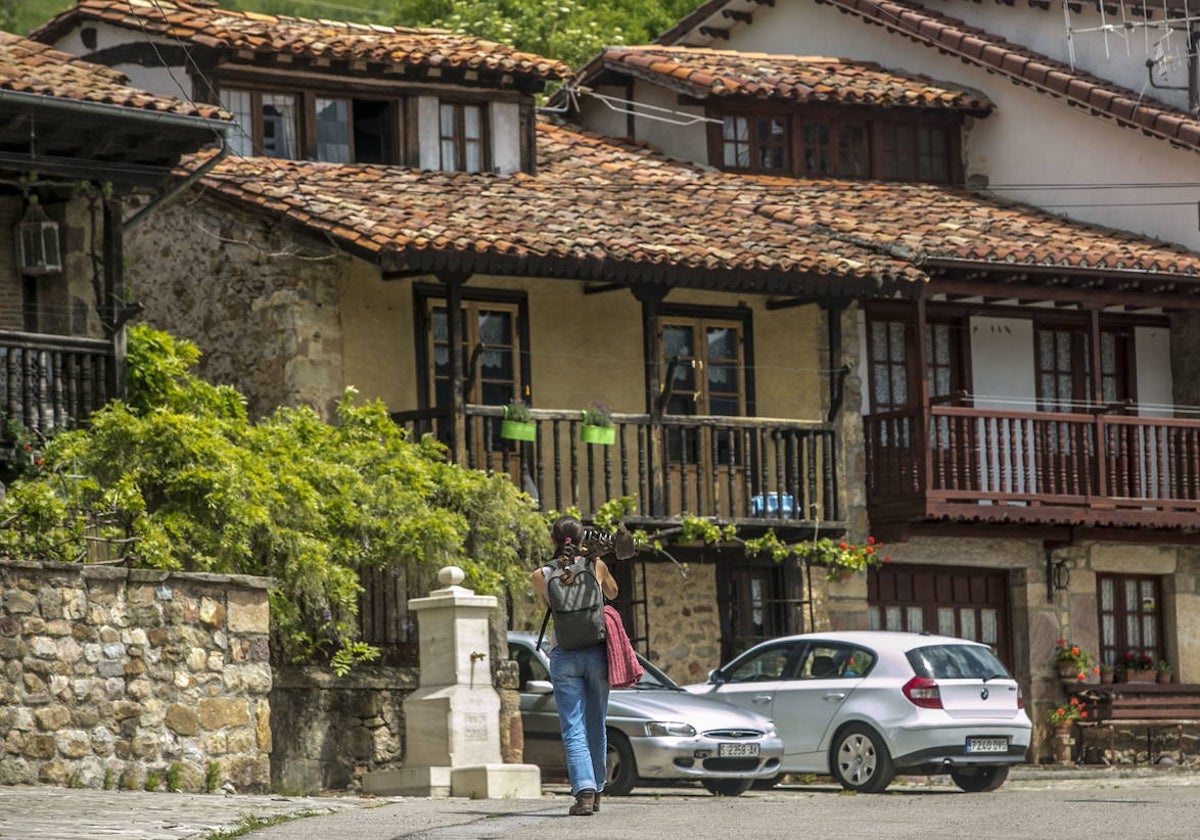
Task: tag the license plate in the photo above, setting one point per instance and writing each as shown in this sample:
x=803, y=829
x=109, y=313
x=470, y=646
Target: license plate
x=987, y=745
x=737, y=749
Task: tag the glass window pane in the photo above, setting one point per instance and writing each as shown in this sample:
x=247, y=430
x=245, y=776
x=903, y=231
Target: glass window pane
x=333, y=130
x=988, y=623
x=447, y=120
x=894, y=622
x=472, y=122
x=474, y=157
x=677, y=341
x=966, y=619
x=873, y=619
x=279, y=125
x=449, y=156
x=916, y=619
x=240, y=104
x=945, y=619
x=722, y=343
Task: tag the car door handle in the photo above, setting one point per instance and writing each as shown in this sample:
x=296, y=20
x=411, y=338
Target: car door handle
x=761, y=698
x=835, y=695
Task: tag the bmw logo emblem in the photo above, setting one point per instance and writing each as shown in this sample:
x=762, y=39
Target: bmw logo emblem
x=983, y=694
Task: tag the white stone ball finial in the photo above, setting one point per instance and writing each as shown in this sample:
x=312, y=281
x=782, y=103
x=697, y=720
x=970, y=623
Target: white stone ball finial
x=450, y=576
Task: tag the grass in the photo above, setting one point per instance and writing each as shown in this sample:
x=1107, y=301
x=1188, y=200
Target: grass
x=250, y=823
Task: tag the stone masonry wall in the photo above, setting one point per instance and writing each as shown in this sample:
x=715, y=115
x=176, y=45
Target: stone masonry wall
x=205, y=271
x=114, y=677
x=328, y=731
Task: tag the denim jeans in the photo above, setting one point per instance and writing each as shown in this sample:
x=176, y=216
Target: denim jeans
x=580, y=679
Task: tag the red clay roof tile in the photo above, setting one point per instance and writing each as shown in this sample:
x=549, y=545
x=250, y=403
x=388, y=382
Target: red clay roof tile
x=30, y=67
x=705, y=72
x=600, y=207
x=234, y=32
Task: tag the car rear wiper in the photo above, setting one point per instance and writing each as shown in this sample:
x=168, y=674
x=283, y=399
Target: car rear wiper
x=994, y=677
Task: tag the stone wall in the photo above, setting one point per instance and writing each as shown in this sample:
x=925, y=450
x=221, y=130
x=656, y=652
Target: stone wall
x=115, y=677
x=328, y=731
x=259, y=300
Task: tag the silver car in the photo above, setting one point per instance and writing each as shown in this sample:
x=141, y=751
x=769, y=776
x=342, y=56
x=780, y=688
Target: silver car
x=656, y=731
x=863, y=706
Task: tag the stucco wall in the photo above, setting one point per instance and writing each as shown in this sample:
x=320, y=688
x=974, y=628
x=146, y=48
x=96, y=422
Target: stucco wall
x=115, y=676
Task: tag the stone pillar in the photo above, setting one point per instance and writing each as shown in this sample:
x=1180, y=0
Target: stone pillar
x=452, y=722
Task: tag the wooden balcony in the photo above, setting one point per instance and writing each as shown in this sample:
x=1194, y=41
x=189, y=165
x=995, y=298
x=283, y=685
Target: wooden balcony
x=50, y=382
x=946, y=462
x=749, y=471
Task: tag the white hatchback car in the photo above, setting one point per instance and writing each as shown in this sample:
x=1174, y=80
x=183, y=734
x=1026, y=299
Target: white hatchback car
x=863, y=706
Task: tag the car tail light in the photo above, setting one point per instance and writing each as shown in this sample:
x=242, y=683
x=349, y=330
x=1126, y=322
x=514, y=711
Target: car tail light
x=922, y=692
x=1020, y=697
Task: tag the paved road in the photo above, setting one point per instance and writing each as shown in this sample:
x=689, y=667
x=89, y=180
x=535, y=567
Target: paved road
x=1034, y=805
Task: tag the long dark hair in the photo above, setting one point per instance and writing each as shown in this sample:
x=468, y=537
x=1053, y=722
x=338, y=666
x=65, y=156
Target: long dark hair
x=567, y=536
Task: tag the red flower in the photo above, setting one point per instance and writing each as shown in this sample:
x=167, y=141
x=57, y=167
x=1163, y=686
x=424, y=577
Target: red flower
x=868, y=550
x=887, y=559
x=843, y=546
x=870, y=541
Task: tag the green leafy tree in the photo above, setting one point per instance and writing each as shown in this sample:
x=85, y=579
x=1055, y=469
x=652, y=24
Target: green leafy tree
x=178, y=478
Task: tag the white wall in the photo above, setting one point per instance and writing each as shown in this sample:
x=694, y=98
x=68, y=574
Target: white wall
x=1154, y=383
x=1002, y=366
x=681, y=142
x=505, y=133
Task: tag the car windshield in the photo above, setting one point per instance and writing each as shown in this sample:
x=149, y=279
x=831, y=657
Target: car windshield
x=654, y=678
x=956, y=662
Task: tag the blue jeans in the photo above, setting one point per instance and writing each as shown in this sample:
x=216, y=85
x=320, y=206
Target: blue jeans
x=580, y=679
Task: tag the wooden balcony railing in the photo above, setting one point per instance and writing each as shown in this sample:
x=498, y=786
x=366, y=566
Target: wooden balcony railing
x=50, y=382
x=736, y=469
x=1100, y=469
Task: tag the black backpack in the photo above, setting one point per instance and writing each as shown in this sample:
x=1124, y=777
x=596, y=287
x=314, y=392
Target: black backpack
x=577, y=602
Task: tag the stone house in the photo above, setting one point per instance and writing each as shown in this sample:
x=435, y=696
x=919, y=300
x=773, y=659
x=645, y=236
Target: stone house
x=108, y=676
x=1028, y=421
x=76, y=141
x=703, y=280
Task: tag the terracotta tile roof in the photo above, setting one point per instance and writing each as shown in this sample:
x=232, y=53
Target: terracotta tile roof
x=249, y=36
x=600, y=209
x=728, y=73
x=1022, y=66
x=30, y=67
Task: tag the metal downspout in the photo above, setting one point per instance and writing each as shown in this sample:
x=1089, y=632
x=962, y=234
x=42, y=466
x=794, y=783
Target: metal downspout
x=174, y=191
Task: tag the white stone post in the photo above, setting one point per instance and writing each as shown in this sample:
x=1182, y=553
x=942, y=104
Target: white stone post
x=452, y=722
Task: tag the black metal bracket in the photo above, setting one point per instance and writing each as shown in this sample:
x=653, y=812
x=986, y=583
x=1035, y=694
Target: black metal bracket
x=1058, y=574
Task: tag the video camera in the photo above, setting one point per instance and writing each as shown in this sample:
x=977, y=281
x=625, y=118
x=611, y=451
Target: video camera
x=598, y=543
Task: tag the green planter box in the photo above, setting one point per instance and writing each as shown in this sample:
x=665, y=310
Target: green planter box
x=516, y=430
x=604, y=435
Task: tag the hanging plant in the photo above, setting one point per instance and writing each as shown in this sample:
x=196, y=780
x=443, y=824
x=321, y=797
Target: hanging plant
x=598, y=425
x=517, y=423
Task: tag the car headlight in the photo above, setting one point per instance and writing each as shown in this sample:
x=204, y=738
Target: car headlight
x=770, y=731
x=669, y=728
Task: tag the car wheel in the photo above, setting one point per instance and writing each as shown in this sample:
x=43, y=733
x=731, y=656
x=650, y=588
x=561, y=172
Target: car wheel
x=767, y=784
x=726, y=787
x=980, y=779
x=860, y=760
x=620, y=765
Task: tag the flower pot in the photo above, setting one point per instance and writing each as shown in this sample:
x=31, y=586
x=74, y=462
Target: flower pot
x=603, y=435
x=1106, y=677
x=517, y=430
x=1164, y=677
x=1134, y=675
x=1068, y=671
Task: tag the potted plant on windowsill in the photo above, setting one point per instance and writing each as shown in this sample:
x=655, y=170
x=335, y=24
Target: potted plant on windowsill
x=598, y=425
x=1139, y=667
x=517, y=423
x=1106, y=673
x=1164, y=671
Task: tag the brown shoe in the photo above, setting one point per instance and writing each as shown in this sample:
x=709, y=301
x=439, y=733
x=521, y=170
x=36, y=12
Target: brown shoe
x=596, y=804
x=585, y=803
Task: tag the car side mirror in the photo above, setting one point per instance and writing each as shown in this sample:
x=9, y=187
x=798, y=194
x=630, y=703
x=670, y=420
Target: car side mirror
x=716, y=677
x=539, y=687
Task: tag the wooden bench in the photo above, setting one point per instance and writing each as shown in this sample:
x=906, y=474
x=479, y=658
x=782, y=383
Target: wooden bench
x=1140, y=704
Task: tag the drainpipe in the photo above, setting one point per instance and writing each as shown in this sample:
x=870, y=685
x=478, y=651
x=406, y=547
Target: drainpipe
x=171, y=194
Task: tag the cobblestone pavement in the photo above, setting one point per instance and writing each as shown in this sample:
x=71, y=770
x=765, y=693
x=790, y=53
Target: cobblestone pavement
x=50, y=813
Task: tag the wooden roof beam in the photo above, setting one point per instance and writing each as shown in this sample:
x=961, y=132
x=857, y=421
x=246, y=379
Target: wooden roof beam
x=738, y=17
x=714, y=32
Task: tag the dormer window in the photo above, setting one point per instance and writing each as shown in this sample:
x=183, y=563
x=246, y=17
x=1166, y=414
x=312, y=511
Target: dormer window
x=314, y=127
x=840, y=142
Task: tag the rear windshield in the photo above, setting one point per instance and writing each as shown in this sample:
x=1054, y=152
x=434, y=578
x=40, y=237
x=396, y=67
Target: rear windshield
x=955, y=662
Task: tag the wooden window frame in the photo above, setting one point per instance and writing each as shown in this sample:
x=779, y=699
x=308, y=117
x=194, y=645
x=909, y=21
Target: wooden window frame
x=756, y=143
x=698, y=317
x=459, y=139
x=1111, y=651
x=949, y=123
x=306, y=116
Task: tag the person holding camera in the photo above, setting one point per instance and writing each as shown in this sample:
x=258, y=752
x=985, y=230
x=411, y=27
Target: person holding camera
x=578, y=659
